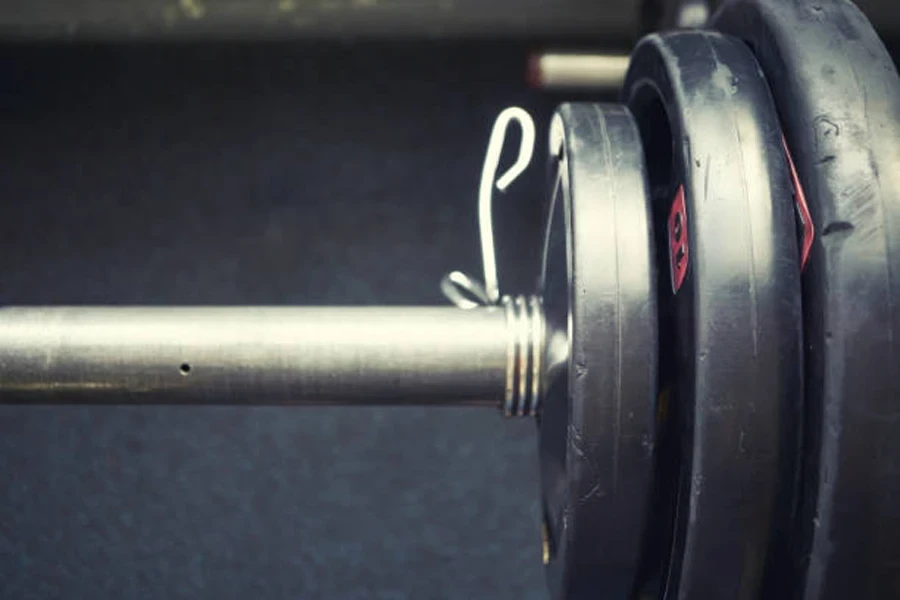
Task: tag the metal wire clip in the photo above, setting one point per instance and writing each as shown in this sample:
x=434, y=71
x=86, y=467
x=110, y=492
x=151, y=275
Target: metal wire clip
x=525, y=316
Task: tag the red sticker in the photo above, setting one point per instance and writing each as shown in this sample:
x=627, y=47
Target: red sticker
x=678, y=240
x=807, y=229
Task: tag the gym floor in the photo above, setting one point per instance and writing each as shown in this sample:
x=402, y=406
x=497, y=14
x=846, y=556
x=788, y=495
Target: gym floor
x=265, y=174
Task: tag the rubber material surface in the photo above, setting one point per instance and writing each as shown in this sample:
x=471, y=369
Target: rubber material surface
x=599, y=285
x=839, y=99
x=729, y=293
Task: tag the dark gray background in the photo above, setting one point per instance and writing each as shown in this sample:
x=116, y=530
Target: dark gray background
x=264, y=174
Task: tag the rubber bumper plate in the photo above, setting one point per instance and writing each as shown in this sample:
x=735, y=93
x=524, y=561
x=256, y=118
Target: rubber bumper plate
x=596, y=424
x=838, y=96
x=730, y=312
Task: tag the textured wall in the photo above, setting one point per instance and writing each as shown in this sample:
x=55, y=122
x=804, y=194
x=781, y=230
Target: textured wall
x=279, y=174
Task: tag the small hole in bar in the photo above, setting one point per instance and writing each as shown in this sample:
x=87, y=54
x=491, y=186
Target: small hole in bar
x=185, y=369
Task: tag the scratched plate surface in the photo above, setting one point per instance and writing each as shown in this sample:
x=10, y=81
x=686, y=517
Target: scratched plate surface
x=597, y=422
x=730, y=313
x=838, y=96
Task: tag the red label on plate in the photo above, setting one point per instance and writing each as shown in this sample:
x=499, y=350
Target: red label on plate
x=679, y=254
x=807, y=229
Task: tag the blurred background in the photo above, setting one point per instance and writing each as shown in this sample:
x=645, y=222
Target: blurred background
x=212, y=153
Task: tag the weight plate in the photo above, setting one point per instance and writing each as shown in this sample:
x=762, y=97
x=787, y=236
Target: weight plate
x=598, y=285
x=730, y=313
x=838, y=96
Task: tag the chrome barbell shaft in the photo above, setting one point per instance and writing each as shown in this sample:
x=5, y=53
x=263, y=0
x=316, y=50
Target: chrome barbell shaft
x=273, y=355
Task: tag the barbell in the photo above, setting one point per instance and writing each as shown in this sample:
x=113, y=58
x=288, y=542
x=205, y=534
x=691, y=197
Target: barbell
x=710, y=353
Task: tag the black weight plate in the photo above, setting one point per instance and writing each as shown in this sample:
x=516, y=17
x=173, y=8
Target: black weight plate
x=598, y=284
x=838, y=96
x=730, y=313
